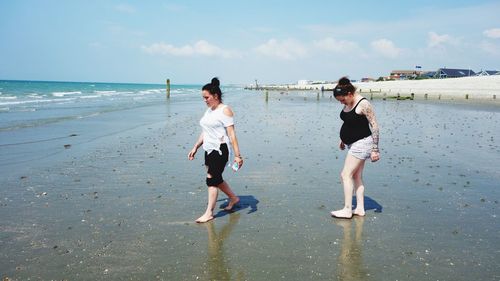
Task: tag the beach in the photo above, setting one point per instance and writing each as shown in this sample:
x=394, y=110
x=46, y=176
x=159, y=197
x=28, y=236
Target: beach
x=108, y=193
x=478, y=88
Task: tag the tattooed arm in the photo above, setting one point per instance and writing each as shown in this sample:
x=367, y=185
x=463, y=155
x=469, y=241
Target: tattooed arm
x=367, y=110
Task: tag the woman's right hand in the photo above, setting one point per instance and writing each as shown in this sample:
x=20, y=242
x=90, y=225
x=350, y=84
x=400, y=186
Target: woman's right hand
x=192, y=153
x=341, y=145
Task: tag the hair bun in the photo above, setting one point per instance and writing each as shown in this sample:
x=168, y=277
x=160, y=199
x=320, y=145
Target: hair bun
x=215, y=82
x=344, y=81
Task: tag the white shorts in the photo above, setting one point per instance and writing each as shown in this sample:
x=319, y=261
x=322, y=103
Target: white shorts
x=362, y=148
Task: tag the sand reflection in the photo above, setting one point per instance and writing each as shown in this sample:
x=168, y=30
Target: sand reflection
x=218, y=267
x=350, y=261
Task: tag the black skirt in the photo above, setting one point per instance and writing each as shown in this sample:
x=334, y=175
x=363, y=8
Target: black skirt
x=216, y=163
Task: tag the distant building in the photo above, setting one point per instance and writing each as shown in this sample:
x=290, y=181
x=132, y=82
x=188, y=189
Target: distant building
x=404, y=74
x=453, y=73
x=367, y=79
x=304, y=82
x=428, y=74
x=488, y=72
x=319, y=82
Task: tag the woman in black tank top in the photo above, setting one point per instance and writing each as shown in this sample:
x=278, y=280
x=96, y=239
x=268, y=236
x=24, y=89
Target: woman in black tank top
x=355, y=125
x=360, y=133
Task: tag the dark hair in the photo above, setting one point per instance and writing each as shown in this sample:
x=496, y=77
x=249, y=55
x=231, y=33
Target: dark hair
x=213, y=88
x=344, y=87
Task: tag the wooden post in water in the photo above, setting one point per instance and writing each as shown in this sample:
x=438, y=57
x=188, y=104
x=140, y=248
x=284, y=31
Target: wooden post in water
x=412, y=96
x=425, y=96
x=168, y=88
x=494, y=97
x=267, y=96
x=466, y=96
x=384, y=97
x=371, y=96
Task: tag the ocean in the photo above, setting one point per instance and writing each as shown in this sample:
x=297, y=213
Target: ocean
x=34, y=103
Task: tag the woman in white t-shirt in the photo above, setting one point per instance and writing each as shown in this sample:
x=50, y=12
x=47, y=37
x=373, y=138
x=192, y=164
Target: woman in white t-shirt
x=217, y=131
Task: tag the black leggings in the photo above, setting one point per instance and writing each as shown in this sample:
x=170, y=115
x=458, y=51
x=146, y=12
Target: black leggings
x=216, y=164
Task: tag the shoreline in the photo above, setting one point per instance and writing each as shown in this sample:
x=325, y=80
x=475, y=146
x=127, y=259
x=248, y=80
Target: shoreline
x=486, y=88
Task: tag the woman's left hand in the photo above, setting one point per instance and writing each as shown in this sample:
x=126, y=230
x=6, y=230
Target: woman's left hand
x=375, y=156
x=239, y=160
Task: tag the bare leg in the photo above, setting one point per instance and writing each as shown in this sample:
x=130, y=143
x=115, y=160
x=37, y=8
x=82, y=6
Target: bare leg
x=212, y=198
x=360, y=191
x=351, y=165
x=233, y=199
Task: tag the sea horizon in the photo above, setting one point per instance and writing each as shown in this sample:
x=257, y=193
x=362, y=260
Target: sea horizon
x=125, y=83
x=91, y=82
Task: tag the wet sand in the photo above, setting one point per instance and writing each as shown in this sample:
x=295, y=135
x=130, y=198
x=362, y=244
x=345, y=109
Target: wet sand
x=120, y=201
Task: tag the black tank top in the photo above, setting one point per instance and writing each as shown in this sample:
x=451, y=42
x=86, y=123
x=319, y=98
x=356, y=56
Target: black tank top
x=355, y=126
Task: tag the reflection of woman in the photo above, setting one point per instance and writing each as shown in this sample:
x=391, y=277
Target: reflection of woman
x=351, y=258
x=217, y=268
x=217, y=131
x=360, y=133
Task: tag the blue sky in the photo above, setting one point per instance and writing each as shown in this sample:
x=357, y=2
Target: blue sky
x=239, y=41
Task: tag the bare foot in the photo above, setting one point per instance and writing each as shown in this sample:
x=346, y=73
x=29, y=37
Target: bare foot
x=357, y=212
x=231, y=203
x=205, y=218
x=345, y=213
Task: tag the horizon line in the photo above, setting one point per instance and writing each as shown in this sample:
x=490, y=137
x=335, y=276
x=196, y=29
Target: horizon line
x=100, y=82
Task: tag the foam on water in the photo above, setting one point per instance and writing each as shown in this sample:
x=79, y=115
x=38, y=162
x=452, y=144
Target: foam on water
x=21, y=102
x=91, y=97
x=151, y=91
x=62, y=94
x=35, y=96
x=104, y=92
x=8, y=98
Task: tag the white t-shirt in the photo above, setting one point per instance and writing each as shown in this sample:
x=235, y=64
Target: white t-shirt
x=214, y=123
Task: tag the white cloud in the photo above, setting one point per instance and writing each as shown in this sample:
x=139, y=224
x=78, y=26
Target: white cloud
x=386, y=48
x=492, y=33
x=287, y=49
x=125, y=8
x=333, y=45
x=436, y=40
x=201, y=48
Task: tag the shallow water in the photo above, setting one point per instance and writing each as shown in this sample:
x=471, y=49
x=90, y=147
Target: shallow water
x=120, y=202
